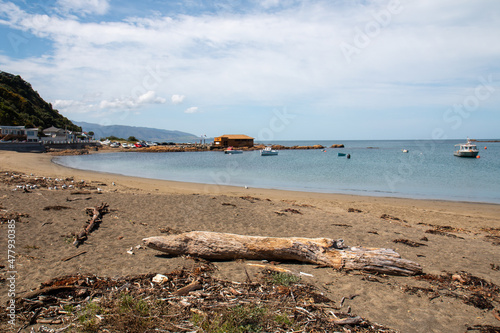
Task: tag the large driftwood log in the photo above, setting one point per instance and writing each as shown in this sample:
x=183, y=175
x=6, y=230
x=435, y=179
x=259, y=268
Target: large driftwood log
x=321, y=251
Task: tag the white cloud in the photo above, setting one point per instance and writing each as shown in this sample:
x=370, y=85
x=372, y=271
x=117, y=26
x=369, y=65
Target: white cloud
x=193, y=109
x=84, y=6
x=178, y=99
x=132, y=103
x=426, y=54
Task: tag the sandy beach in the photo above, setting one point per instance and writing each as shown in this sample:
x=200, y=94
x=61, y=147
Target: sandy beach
x=455, y=238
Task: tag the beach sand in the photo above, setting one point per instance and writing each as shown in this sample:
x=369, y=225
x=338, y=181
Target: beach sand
x=457, y=237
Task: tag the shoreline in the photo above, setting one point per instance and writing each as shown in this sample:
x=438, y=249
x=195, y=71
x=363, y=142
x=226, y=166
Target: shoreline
x=45, y=165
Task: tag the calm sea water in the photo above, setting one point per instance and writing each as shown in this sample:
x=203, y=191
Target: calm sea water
x=380, y=168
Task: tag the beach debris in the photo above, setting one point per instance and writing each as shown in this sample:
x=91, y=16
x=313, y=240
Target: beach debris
x=341, y=225
x=160, y=278
x=442, y=233
x=6, y=216
x=250, y=199
x=73, y=256
x=188, y=300
x=55, y=207
x=130, y=251
x=408, y=242
x=464, y=286
x=291, y=210
x=354, y=210
x=391, y=218
x=496, y=314
x=96, y=213
x=320, y=251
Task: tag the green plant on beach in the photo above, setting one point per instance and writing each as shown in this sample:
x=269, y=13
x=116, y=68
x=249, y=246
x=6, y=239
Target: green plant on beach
x=283, y=279
x=69, y=308
x=242, y=318
x=127, y=303
x=87, y=317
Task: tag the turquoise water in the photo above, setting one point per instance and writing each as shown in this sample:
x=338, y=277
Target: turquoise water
x=380, y=168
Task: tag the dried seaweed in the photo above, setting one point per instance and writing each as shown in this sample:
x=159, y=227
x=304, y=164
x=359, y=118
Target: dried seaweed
x=250, y=199
x=470, y=289
x=55, y=207
x=135, y=304
x=442, y=233
x=391, y=218
x=408, y=242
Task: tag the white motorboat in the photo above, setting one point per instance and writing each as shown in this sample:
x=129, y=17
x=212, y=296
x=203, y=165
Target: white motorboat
x=268, y=151
x=468, y=149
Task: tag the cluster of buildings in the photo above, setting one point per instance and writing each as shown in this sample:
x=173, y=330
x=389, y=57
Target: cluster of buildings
x=59, y=135
x=50, y=135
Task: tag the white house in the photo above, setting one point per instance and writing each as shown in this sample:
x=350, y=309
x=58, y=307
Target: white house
x=18, y=133
x=54, y=134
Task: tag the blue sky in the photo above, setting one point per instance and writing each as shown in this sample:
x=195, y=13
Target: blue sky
x=271, y=69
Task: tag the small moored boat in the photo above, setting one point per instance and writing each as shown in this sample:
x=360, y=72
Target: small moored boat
x=340, y=154
x=268, y=151
x=466, y=149
x=231, y=150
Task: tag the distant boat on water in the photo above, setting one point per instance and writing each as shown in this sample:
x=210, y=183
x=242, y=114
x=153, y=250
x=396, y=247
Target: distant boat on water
x=268, y=151
x=231, y=150
x=341, y=154
x=466, y=149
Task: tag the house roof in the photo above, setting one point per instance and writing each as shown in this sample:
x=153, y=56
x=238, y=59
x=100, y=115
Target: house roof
x=237, y=136
x=12, y=127
x=52, y=129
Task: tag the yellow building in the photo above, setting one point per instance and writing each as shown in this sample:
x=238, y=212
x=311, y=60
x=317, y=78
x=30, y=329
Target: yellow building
x=233, y=140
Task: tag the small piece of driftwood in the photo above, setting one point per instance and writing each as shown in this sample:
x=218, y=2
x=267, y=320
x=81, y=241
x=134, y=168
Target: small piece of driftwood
x=195, y=285
x=96, y=213
x=73, y=256
x=320, y=251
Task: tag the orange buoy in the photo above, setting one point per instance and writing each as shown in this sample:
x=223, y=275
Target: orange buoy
x=485, y=147
x=478, y=156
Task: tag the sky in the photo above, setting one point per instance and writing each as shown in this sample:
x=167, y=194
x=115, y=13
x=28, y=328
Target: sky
x=270, y=69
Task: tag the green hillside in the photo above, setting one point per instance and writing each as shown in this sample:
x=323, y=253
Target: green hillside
x=20, y=105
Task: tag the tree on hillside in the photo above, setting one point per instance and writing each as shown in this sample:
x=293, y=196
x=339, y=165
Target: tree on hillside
x=132, y=138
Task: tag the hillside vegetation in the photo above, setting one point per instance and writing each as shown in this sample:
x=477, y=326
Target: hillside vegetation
x=20, y=105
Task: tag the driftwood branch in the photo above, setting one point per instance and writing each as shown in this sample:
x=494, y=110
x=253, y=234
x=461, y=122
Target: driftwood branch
x=320, y=251
x=96, y=213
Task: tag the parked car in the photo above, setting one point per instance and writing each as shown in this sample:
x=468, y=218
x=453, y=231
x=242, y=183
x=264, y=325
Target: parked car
x=138, y=145
x=114, y=145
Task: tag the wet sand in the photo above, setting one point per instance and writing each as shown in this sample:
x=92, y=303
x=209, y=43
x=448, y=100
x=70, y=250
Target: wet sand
x=455, y=236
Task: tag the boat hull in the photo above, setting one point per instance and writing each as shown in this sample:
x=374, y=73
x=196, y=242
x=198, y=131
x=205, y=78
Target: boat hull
x=466, y=153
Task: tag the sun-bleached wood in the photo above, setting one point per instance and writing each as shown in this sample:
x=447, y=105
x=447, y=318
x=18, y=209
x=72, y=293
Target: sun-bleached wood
x=320, y=251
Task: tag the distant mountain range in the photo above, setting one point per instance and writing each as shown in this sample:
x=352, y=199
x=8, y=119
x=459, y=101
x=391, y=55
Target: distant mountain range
x=141, y=133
